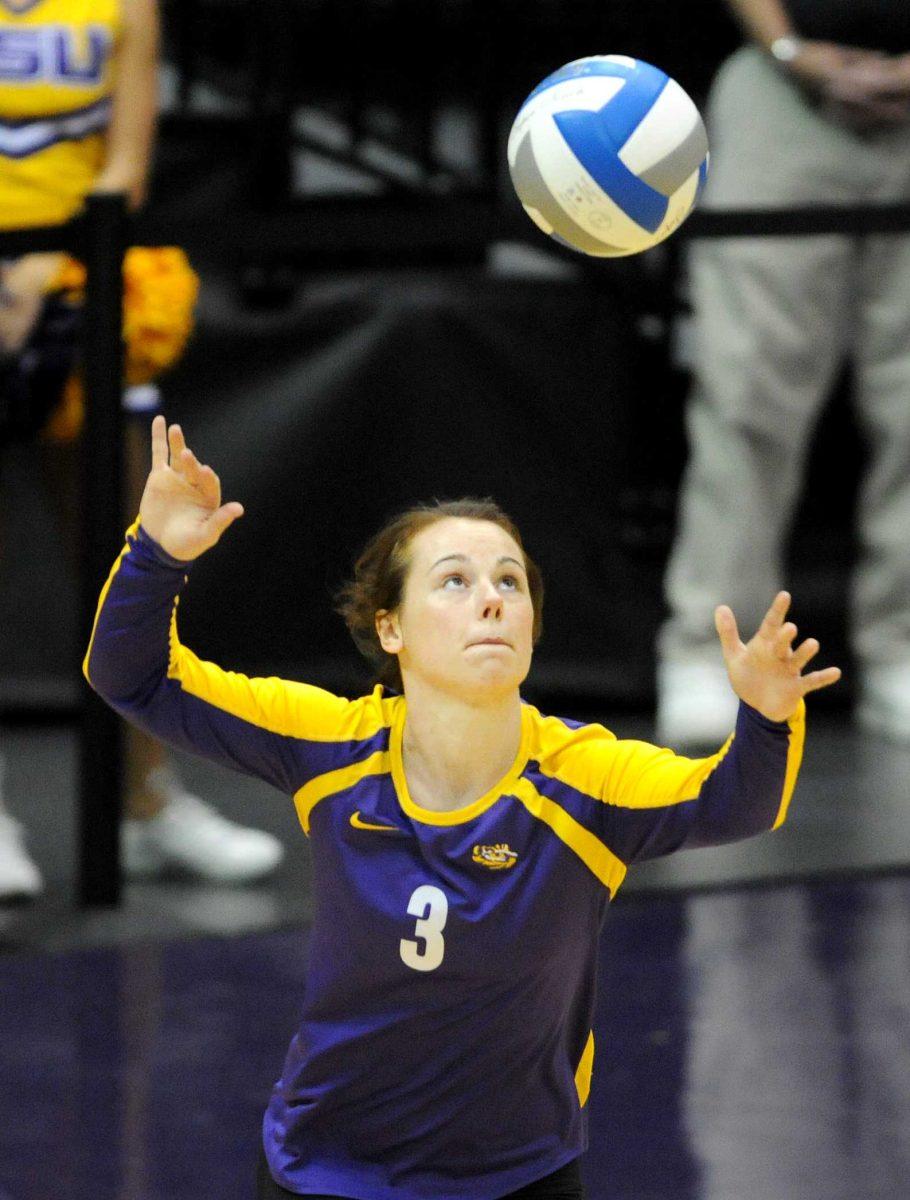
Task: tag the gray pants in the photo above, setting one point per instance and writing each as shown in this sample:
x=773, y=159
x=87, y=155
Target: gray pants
x=774, y=319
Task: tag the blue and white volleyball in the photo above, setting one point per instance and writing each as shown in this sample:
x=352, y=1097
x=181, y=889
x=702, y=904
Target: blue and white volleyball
x=608, y=155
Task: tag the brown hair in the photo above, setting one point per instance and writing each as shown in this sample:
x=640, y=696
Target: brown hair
x=381, y=570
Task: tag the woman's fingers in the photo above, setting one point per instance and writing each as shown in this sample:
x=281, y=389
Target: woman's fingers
x=188, y=467
x=209, y=484
x=820, y=679
x=815, y=679
x=805, y=653
x=774, y=617
x=208, y=476
x=176, y=443
x=159, y=442
x=784, y=640
x=181, y=506
x=200, y=476
x=169, y=448
x=727, y=631
x=224, y=516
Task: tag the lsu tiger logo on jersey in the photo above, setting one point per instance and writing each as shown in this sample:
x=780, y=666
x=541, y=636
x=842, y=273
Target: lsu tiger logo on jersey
x=55, y=54
x=497, y=858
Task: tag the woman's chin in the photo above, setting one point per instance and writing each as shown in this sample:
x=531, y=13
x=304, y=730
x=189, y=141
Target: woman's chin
x=494, y=678
x=481, y=681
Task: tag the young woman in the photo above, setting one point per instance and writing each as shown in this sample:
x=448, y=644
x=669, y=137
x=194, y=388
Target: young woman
x=465, y=845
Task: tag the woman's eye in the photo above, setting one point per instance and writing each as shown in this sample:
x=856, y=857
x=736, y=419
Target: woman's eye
x=455, y=579
x=511, y=582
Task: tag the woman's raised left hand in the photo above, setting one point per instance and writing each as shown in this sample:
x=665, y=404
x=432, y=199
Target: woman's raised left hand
x=181, y=506
x=767, y=672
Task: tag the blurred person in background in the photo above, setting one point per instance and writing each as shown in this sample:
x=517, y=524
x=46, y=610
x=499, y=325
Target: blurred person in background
x=78, y=101
x=815, y=109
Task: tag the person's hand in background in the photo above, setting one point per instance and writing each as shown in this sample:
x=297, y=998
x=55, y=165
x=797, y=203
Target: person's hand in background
x=23, y=285
x=862, y=89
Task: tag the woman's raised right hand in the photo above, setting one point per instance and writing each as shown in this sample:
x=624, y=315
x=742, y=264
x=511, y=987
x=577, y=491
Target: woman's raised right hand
x=181, y=506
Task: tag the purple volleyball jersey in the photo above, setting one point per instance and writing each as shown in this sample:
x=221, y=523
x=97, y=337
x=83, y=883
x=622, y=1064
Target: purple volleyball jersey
x=444, y=1050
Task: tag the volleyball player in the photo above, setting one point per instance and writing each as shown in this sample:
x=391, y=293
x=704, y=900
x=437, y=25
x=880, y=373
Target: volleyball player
x=465, y=846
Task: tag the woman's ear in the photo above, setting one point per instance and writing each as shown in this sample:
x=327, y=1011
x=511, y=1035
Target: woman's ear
x=388, y=631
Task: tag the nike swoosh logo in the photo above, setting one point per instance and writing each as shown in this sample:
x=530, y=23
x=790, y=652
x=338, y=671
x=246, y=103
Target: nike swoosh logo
x=359, y=823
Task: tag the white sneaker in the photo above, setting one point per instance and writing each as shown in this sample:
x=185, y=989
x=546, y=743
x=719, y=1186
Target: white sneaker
x=20, y=879
x=696, y=706
x=189, y=835
x=884, y=702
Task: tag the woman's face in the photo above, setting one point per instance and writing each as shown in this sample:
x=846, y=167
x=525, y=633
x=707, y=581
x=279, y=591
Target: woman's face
x=465, y=621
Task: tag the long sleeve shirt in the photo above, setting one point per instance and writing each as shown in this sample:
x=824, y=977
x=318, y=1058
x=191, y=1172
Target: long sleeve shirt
x=445, y=1049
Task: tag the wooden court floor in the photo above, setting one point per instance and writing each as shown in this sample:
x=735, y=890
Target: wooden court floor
x=753, y=1025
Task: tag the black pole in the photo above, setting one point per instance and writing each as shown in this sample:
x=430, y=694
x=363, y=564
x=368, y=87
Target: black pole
x=101, y=754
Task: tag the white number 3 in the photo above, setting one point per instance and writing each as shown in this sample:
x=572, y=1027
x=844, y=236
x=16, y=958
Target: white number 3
x=431, y=907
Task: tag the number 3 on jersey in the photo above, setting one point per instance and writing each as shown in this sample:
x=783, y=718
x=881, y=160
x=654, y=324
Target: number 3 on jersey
x=431, y=908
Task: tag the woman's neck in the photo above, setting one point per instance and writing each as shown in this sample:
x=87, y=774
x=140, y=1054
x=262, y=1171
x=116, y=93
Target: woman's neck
x=454, y=752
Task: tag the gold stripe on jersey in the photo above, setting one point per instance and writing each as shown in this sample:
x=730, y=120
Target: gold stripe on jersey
x=584, y=1071
x=130, y=534
x=627, y=773
x=638, y=775
x=659, y=777
x=332, y=782
x=280, y=706
x=596, y=856
x=794, y=758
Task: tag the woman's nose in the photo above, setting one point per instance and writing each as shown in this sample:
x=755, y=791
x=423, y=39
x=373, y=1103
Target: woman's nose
x=491, y=601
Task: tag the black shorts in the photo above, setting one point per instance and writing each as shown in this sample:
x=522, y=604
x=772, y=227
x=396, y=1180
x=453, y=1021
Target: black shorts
x=564, y=1184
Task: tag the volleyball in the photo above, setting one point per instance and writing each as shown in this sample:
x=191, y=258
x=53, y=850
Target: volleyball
x=608, y=155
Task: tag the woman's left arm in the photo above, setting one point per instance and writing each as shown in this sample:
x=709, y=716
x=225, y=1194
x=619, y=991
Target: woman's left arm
x=131, y=133
x=658, y=802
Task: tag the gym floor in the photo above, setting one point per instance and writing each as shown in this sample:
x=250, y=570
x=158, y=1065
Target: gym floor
x=751, y=1028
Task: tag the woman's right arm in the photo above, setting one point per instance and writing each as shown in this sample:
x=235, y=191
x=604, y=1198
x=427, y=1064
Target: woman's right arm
x=280, y=731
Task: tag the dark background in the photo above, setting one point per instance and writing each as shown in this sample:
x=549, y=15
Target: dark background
x=380, y=324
